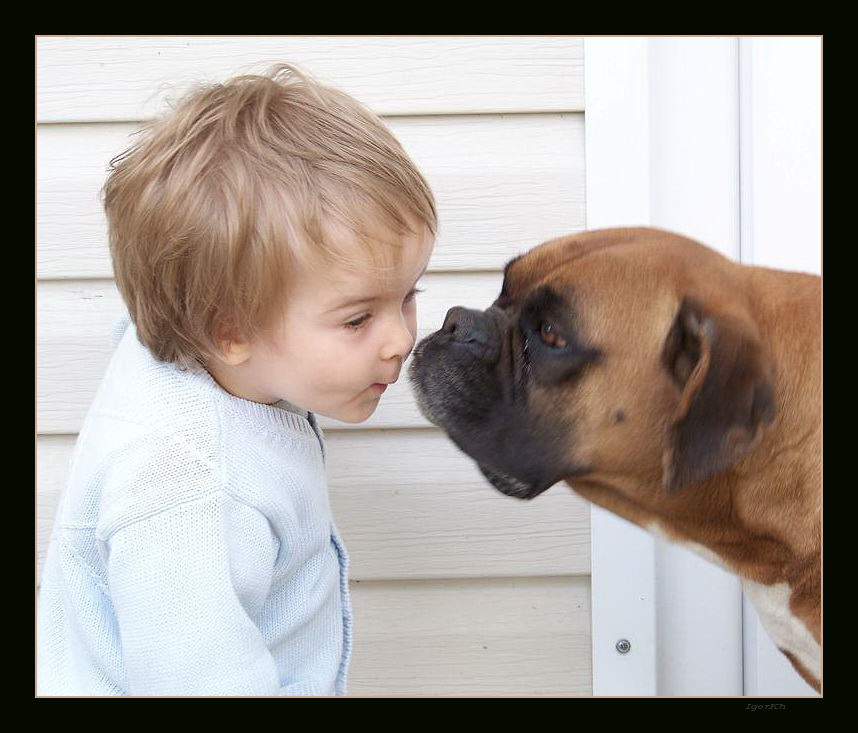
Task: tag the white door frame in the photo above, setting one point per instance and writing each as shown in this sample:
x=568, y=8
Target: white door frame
x=781, y=100
x=681, y=133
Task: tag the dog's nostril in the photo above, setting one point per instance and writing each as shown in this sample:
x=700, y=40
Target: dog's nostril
x=460, y=324
x=473, y=331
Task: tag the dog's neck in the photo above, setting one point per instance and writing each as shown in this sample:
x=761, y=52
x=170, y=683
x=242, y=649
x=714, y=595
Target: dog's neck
x=732, y=530
x=725, y=526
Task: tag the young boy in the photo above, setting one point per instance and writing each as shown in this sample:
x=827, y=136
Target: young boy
x=267, y=237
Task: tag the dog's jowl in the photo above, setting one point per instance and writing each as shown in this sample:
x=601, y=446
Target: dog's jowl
x=662, y=382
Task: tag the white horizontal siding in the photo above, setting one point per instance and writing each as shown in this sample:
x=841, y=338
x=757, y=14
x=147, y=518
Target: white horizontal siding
x=502, y=184
x=457, y=589
x=412, y=506
x=76, y=321
x=506, y=637
x=99, y=78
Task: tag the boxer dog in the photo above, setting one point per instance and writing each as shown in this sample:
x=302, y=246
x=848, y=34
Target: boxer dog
x=663, y=383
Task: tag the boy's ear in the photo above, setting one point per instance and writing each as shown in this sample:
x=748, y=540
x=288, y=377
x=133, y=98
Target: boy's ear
x=234, y=348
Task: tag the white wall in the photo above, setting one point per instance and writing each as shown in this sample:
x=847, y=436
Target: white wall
x=718, y=138
x=781, y=131
x=457, y=589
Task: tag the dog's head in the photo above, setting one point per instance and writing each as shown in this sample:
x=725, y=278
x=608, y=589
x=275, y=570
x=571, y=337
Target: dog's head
x=616, y=356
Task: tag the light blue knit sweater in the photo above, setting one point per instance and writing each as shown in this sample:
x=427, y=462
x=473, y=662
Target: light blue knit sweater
x=194, y=551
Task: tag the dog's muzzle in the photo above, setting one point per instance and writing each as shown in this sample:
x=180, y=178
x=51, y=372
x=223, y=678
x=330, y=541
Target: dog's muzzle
x=510, y=485
x=477, y=331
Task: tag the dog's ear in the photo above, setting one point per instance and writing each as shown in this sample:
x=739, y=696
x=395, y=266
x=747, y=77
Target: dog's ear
x=727, y=393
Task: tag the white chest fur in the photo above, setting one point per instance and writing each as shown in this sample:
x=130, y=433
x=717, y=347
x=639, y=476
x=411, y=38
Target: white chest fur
x=772, y=605
x=787, y=632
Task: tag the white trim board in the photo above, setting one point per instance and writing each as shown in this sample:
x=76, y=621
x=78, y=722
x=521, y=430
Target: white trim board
x=676, y=138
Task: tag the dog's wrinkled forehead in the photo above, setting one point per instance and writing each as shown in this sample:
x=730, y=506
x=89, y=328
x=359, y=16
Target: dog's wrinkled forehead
x=525, y=273
x=621, y=271
x=555, y=259
x=512, y=285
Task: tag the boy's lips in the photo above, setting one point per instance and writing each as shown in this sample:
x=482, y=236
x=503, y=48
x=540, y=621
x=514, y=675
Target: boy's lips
x=382, y=386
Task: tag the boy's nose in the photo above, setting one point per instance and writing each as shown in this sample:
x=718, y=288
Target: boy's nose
x=399, y=342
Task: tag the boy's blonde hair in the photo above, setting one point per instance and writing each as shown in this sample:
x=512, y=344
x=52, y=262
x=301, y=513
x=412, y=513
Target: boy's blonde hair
x=240, y=186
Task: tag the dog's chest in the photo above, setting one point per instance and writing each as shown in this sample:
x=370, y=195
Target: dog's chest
x=787, y=632
x=772, y=605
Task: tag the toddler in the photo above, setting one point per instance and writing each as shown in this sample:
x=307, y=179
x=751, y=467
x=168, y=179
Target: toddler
x=267, y=237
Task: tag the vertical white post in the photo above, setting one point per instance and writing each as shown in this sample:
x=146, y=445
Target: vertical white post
x=781, y=120
x=781, y=135
x=618, y=178
x=661, y=117
x=694, y=162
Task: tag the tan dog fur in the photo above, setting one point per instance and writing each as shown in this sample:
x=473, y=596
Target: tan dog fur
x=701, y=418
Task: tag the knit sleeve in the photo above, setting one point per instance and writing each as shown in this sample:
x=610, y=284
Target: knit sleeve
x=186, y=613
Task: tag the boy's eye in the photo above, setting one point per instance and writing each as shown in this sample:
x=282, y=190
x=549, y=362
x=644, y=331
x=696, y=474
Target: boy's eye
x=361, y=320
x=356, y=323
x=412, y=295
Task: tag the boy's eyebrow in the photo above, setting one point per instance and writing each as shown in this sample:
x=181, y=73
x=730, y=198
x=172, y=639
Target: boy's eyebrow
x=351, y=301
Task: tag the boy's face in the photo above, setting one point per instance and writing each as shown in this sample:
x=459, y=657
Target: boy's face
x=342, y=338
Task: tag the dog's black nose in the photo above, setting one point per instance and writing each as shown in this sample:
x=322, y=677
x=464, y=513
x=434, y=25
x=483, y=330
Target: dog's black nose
x=466, y=326
x=475, y=330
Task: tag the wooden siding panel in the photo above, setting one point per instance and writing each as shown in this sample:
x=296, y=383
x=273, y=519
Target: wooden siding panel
x=412, y=506
x=457, y=589
x=99, y=78
x=52, y=470
x=72, y=163
x=502, y=183
x=510, y=637
x=76, y=321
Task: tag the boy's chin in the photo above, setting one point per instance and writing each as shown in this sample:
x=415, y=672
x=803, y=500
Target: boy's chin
x=355, y=414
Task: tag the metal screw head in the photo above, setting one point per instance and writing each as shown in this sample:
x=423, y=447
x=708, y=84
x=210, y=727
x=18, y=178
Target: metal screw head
x=624, y=646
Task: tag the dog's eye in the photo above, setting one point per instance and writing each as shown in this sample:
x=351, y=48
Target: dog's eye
x=549, y=336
